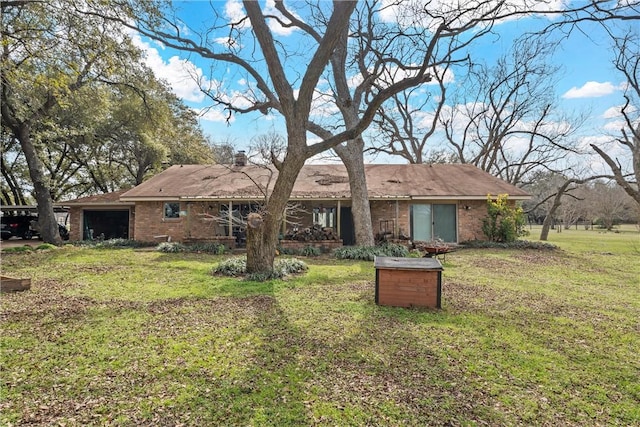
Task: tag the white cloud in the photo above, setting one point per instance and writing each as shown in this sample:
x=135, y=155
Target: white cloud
x=234, y=11
x=591, y=90
x=612, y=112
x=274, y=24
x=323, y=105
x=228, y=42
x=615, y=112
x=615, y=125
x=409, y=13
x=183, y=76
x=325, y=158
x=214, y=115
x=599, y=140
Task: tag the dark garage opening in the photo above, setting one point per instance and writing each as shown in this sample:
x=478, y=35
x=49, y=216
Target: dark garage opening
x=105, y=225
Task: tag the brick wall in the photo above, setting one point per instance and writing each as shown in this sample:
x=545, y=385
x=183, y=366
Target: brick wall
x=395, y=212
x=75, y=223
x=203, y=220
x=470, y=216
x=150, y=223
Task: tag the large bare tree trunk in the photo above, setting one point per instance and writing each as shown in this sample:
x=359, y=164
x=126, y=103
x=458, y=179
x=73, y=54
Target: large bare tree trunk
x=262, y=236
x=46, y=217
x=351, y=155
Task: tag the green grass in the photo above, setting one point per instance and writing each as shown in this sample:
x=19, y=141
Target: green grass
x=134, y=337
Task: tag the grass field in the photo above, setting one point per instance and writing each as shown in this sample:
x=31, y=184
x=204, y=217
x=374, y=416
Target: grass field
x=129, y=337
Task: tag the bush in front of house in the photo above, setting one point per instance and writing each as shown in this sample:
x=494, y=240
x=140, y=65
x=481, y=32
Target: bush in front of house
x=310, y=251
x=368, y=253
x=112, y=244
x=171, y=247
x=45, y=247
x=281, y=250
x=236, y=266
x=177, y=247
x=287, y=266
x=210, y=248
x=504, y=222
x=282, y=267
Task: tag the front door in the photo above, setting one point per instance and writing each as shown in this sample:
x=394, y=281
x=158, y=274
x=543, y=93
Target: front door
x=444, y=222
x=347, y=230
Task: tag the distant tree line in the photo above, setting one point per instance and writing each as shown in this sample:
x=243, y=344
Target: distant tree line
x=595, y=203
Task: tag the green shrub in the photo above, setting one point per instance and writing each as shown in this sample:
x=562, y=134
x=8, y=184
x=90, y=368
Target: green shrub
x=415, y=253
x=18, y=249
x=45, y=247
x=233, y=267
x=210, y=248
x=237, y=266
x=287, y=251
x=391, y=249
x=504, y=222
x=290, y=266
x=171, y=247
x=368, y=253
x=310, y=251
x=112, y=244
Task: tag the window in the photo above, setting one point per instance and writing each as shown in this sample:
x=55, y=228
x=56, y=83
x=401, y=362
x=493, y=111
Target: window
x=325, y=217
x=172, y=210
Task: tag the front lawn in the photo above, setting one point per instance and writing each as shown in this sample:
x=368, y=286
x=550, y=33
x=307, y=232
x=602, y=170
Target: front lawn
x=136, y=337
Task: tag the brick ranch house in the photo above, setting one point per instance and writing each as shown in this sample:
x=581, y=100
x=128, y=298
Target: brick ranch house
x=188, y=203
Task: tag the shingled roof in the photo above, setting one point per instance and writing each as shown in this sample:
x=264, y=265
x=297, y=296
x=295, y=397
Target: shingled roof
x=423, y=181
x=106, y=199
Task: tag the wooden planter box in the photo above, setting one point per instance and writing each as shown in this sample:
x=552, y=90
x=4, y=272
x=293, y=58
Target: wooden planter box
x=408, y=282
x=10, y=284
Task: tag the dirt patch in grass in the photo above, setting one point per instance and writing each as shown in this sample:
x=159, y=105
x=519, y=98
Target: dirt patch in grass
x=46, y=299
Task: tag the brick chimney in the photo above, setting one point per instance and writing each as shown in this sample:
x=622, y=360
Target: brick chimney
x=240, y=159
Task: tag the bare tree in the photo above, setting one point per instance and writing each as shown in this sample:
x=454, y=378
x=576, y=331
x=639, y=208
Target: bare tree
x=627, y=172
x=609, y=203
x=269, y=147
x=564, y=190
x=409, y=120
x=512, y=125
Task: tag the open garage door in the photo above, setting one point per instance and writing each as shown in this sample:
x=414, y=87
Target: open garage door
x=111, y=224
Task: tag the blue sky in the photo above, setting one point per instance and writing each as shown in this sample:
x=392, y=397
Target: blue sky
x=588, y=82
